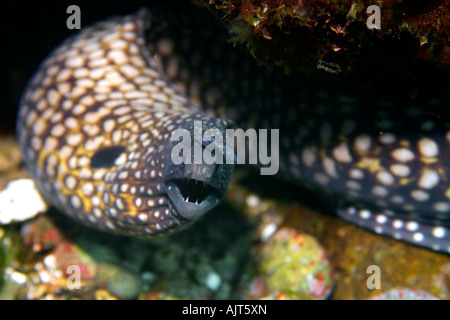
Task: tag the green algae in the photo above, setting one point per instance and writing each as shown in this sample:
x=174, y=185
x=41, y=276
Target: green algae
x=290, y=265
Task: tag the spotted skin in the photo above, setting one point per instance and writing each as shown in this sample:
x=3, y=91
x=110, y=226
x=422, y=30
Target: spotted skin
x=94, y=128
x=384, y=161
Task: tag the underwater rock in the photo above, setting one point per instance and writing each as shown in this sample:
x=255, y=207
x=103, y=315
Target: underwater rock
x=20, y=201
x=121, y=282
x=334, y=35
x=12, y=281
x=69, y=254
x=404, y=294
x=40, y=234
x=290, y=265
x=10, y=157
x=2, y=256
x=353, y=250
x=12, y=264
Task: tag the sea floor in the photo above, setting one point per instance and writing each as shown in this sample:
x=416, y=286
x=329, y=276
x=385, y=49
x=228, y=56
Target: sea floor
x=260, y=243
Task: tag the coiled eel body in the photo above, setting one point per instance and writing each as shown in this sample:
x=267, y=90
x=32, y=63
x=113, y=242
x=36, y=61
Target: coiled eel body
x=95, y=124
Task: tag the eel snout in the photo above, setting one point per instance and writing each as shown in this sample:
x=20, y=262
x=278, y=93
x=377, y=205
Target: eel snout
x=197, y=185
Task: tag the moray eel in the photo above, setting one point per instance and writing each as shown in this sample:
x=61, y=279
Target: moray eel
x=95, y=124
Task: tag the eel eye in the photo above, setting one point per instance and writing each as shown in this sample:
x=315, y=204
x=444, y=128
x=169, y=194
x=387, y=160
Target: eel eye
x=106, y=157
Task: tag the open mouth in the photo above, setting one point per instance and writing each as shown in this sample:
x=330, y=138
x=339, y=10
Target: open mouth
x=194, y=191
x=192, y=198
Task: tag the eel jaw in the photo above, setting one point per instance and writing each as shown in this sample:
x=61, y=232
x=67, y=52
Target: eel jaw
x=194, y=189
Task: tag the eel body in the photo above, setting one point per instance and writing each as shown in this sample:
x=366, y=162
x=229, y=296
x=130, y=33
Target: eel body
x=95, y=127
